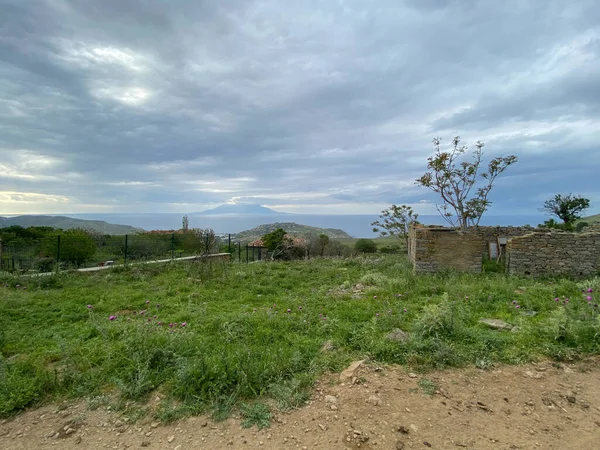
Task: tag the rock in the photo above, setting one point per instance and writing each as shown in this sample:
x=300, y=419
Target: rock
x=412, y=375
x=570, y=399
x=145, y=443
x=331, y=399
x=374, y=400
x=351, y=370
x=397, y=335
x=328, y=346
x=399, y=445
x=402, y=429
x=170, y=439
x=496, y=324
x=154, y=424
x=78, y=440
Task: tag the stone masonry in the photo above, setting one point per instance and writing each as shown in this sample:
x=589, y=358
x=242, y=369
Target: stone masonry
x=551, y=253
x=438, y=248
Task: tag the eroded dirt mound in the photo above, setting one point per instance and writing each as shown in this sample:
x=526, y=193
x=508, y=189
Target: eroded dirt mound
x=542, y=406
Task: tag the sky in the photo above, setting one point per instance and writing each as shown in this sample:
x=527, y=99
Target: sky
x=308, y=106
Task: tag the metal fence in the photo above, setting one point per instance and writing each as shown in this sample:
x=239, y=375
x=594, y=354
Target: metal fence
x=66, y=252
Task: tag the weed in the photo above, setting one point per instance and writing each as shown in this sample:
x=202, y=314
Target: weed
x=257, y=414
x=427, y=386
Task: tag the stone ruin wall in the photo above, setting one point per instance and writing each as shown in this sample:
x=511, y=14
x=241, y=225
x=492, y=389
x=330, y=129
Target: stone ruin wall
x=552, y=253
x=530, y=251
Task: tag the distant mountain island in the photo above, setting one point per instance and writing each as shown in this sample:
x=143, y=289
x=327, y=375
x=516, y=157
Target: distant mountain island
x=67, y=223
x=239, y=209
x=292, y=228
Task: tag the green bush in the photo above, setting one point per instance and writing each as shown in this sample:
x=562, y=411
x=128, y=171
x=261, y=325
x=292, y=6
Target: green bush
x=365, y=246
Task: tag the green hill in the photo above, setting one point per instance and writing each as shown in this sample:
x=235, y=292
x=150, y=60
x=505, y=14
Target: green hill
x=67, y=223
x=591, y=219
x=292, y=228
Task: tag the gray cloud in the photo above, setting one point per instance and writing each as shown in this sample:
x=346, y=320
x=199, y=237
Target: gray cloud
x=144, y=106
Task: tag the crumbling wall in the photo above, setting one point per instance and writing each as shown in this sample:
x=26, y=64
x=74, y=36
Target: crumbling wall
x=438, y=248
x=551, y=253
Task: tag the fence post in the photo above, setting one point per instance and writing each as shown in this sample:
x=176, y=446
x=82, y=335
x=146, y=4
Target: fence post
x=58, y=252
x=125, y=260
x=259, y=253
x=173, y=246
x=246, y=253
x=228, y=244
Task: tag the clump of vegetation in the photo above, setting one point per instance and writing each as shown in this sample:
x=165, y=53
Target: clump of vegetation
x=365, y=246
x=567, y=208
x=211, y=344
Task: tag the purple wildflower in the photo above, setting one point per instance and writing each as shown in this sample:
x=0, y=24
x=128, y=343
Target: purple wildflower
x=184, y=324
x=289, y=310
x=170, y=325
x=590, y=290
x=90, y=307
x=405, y=310
x=518, y=306
x=374, y=296
x=377, y=315
x=112, y=317
x=589, y=298
x=159, y=324
x=147, y=302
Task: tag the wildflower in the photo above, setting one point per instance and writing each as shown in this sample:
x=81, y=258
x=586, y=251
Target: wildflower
x=374, y=297
x=183, y=324
x=143, y=312
x=377, y=315
x=590, y=290
x=389, y=311
x=289, y=310
x=398, y=295
x=300, y=308
x=254, y=310
x=158, y=306
x=170, y=325
x=274, y=305
x=149, y=319
x=159, y=324
x=90, y=307
x=557, y=299
x=18, y=286
x=595, y=305
x=405, y=310
x=155, y=316
x=466, y=297
x=589, y=298
x=514, y=302
x=147, y=302
x=112, y=317
x=518, y=306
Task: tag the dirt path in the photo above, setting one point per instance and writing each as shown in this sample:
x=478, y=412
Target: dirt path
x=541, y=406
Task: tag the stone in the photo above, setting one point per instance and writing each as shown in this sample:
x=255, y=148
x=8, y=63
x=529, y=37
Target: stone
x=496, y=324
x=399, y=445
x=351, y=370
x=170, y=439
x=374, y=400
x=397, y=335
x=331, y=399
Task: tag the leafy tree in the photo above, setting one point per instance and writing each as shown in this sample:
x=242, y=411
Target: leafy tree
x=275, y=239
x=454, y=181
x=199, y=241
x=76, y=246
x=365, y=246
x=322, y=243
x=395, y=221
x=567, y=208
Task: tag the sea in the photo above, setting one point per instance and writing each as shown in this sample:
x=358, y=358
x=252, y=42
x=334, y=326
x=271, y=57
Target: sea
x=357, y=225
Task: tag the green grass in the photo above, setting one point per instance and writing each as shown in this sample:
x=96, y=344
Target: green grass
x=241, y=346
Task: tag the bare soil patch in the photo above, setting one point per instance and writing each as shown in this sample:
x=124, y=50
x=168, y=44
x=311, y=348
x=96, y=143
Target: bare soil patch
x=537, y=406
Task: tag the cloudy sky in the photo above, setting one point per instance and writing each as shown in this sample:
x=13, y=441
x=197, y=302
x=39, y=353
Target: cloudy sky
x=308, y=106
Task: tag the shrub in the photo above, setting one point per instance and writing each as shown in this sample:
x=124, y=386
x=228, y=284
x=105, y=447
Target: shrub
x=365, y=246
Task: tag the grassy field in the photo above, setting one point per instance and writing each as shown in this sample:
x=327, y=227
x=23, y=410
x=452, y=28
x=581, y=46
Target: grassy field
x=212, y=338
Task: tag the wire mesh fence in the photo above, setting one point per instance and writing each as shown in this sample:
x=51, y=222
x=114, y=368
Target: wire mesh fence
x=76, y=251
x=79, y=250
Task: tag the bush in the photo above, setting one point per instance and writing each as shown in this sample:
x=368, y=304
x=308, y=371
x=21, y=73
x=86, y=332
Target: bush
x=365, y=246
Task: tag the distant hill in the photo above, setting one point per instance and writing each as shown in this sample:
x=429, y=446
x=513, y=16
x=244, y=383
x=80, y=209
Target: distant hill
x=67, y=223
x=590, y=219
x=239, y=209
x=292, y=228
